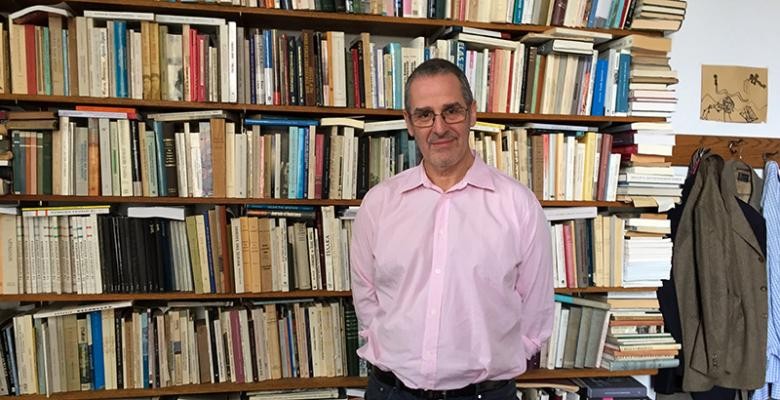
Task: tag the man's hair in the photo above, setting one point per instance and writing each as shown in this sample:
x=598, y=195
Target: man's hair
x=438, y=66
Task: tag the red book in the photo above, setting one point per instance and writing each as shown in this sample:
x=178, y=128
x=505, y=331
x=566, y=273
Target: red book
x=568, y=251
x=356, y=87
x=238, y=355
x=32, y=59
x=319, y=159
x=604, y=152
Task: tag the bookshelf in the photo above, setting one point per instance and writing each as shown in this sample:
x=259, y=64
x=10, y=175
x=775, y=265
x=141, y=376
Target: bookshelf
x=286, y=20
x=293, y=294
x=235, y=200
x=46, y=101
x=291, y=383
x=298, y=19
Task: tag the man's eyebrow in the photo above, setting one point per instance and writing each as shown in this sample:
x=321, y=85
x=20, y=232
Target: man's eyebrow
x=422, y=109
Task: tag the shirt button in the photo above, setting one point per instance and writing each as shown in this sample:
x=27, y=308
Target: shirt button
x=437, y=270
x=433, y=312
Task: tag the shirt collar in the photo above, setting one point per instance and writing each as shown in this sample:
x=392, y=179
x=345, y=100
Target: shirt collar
x=479, y=175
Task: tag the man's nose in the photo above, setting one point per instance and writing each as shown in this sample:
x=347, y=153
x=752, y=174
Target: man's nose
x=439, y=126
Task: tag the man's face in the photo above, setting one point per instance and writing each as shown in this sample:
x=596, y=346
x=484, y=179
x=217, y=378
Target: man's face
x=444, y=146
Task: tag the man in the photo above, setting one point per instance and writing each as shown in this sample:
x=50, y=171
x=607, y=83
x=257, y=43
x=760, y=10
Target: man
x=451, y=261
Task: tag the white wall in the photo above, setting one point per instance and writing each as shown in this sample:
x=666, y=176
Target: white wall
x=726, y=32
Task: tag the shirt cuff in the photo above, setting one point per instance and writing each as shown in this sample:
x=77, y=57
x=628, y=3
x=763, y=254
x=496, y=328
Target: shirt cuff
x=530, y=346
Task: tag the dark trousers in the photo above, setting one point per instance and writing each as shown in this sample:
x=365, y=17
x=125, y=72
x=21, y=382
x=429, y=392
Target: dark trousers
x=381, y=391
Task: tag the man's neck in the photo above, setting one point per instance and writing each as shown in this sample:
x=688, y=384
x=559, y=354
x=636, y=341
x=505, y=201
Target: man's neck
x=447, y=178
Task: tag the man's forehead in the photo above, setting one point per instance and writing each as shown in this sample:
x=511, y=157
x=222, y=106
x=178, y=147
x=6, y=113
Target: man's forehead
x=443, y=106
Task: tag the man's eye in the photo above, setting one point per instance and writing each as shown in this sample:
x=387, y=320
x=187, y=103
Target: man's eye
x=424, y=114
x=451, y=111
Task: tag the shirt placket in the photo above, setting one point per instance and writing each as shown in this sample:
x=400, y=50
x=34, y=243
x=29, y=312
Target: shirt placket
x=436, y=280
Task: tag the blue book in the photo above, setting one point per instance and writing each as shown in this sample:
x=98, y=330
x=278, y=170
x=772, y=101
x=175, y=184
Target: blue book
x=518, y=17
x=13, y=372
x=280, y=207
x=145, y=349
x=292, y=164
x=599, y=88
x=65, y=63
x=460, y=56
x=209, y=254
x=624, y=69
x=252, y=71
x=394, y=49
x=96, y=327
x=268, y=47
x=292, y=343
x=120, y=34
x=592, y=16
x=303, y=164
x=280, y=122
x=45, y=41
x=615, y=23
x=162, y=181
x=304, y=173
x=402, y=146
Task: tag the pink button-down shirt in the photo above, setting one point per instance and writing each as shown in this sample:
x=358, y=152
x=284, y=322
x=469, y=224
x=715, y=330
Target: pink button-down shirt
x=452, y=288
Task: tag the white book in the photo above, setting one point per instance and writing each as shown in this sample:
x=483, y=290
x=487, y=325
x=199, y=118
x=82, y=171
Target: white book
x=195, y=168
x=188, y=19
x=64, y=210
x=176, y=213
x=238, y=257
x=125, y=158
x=119, y=15
x=338, y=63
x=569, y=213
x=92, y=114
x=232, y=66
x=105, y=157
x=187, y=115
x=182, y=166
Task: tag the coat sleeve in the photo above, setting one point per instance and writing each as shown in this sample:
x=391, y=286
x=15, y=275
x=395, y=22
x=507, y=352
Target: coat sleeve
x=712, y=257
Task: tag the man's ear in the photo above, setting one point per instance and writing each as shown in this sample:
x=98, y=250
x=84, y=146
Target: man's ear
x=409, y=126
x=473, y=113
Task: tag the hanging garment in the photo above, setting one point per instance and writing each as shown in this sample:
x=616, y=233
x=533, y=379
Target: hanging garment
x=720, y=278
x=771, y=208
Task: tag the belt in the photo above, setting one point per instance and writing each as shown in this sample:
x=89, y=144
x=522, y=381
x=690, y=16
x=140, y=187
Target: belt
x=389, y=378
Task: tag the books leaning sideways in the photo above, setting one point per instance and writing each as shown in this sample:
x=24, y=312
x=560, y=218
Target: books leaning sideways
x=646, y=176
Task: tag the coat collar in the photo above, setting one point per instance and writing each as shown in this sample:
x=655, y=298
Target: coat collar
x=728, y=189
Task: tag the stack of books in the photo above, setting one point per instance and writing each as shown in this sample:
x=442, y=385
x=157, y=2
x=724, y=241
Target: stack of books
x=636, y=338
x=648, y=251
x=646, y=175
x=659, y=15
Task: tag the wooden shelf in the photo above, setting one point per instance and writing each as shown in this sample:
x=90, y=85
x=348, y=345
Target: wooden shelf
x=539, y=374
x=59, y=101
x=176, y=296
x=604, y=290
x=565, y=203
x=297, y=383
x=297, y=294
x=301, y=19
x=222, y=200
x=170, y=200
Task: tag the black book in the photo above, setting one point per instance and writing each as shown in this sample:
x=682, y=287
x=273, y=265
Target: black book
x=166, y=270
x=169, y=160
x=616, y=387
x=325, y=165
x=364, y=142
x=106, y=261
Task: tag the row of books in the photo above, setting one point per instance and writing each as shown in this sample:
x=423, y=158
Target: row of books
x=588, y=251
x=83, y=250
x=124, y=346
x=202, y=154
x=619, y=331
x=583, y=13
x=155, y=56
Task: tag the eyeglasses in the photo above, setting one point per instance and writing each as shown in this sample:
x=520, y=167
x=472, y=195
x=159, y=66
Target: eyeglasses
x=450, y=115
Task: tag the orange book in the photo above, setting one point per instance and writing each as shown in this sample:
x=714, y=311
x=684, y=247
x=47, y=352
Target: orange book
x=218, y=162
x=93, y=159
x=127, y=110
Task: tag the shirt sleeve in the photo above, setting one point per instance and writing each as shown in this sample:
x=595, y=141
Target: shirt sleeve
x=362, y=266
x=535, y=281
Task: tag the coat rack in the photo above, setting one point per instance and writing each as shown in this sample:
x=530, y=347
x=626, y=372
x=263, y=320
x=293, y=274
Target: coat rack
x=752, y=150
